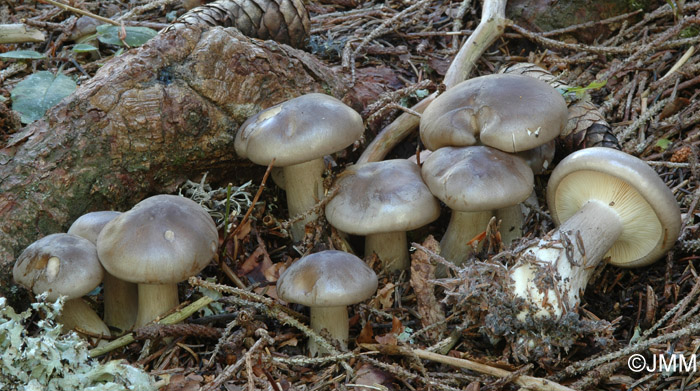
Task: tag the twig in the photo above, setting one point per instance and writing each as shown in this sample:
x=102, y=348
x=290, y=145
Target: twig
x=264, y=340
x=529, y=382
x=17, y=33
x=82, y=12
x=173, y=318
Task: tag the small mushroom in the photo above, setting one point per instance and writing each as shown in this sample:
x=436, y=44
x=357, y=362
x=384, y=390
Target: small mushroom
x=611, y=206
x=297, y=134
x=327, y=282
x=509, y=112
x=120, y=297
x=64, y=265
x=383, y=200
x=473, y=182
x=161, y=241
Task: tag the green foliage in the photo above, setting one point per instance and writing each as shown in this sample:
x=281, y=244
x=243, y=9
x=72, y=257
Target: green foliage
x=663, y=143
x=39, y=92
x=689, y=32
x=50, y=361
x=135, y=36
x=22, y=55
x=582, y=91
x=83, y=47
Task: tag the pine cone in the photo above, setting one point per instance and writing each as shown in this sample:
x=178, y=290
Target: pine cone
x=285, y=21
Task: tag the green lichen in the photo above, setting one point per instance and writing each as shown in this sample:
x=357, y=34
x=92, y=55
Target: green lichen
x=47, y=360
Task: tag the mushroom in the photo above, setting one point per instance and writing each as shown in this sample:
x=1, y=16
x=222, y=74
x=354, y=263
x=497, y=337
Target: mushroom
x=327, y=282
x=611, y=206
x=297, y=134
x=383, y=200
x=161, y=241
x=512, y=217
x=64, y=265
x=509, y=112
x=474, y=181
x=120, y=297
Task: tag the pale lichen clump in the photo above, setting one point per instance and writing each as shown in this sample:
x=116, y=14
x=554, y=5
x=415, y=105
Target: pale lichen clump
x=46, y=360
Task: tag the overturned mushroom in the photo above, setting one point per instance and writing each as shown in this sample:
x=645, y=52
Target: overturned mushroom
x=611, y=206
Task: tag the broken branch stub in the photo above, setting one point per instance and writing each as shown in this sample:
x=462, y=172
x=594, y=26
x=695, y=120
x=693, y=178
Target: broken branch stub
x=148, y=120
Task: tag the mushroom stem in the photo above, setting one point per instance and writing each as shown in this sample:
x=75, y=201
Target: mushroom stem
x=391, y=248
x=154, y=301
x=304, y=182
x=573, y=251
x=77, y=314
x=463, y=227
x=120, y=302
x=511, y=223
x=334, y=320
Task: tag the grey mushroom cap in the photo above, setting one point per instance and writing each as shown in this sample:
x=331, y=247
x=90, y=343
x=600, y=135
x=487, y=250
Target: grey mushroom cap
x=163, y=239
x=327, y=279
x=378, y=197
x=510, y=112
x=648, y=210
x=478, y=178
x=299, y=130
x=89, y=225
x=59, y=264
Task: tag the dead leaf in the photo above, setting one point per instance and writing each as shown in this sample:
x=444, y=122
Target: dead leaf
x=366, y=334
x=384, y=298
x=422, y=271
x=368, y=375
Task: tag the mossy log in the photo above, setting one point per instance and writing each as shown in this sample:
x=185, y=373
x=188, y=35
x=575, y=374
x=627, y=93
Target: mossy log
x=144, y=123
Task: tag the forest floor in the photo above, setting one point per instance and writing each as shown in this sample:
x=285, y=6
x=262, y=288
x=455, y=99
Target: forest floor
x=649, y=98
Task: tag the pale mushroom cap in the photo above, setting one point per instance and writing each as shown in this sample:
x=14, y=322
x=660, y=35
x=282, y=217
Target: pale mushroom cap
x=59, y=264
x=378, y=197
x=299, y=130
x=327, y=279
x=649, y=212
x=89, y=225
x=509, y=112
x=478, y=178
x=163, y=239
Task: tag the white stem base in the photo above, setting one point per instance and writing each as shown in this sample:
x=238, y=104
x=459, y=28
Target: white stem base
x=590, y=234
x=463, y=227
x=120, y=301
x=78, y=314
x=304, y=184
x=334, y=320
x=154, y=301
x=391, y=248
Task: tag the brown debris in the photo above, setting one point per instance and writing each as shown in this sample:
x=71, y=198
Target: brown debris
x=427, y=305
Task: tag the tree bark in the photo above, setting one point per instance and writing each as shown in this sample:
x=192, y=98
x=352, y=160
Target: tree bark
x=148, y=120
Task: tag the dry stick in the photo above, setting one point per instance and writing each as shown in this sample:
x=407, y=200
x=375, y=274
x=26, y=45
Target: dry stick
x=490, y=27
x=579, y=47
x=529, y=382
x=81, y=12
x=17, y=33
x=265, y=339
x=255, y=199
x=173, y=318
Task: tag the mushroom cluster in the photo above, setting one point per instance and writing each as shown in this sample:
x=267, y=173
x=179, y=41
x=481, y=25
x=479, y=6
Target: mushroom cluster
x=141, y=254
x=486, y=137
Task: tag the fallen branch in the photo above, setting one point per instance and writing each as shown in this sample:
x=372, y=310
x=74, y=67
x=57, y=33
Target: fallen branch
x=529, y=382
